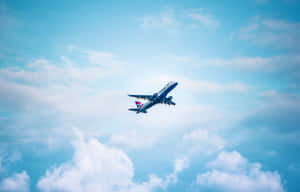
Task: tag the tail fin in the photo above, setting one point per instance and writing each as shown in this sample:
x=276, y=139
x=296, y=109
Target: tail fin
x=139, y=104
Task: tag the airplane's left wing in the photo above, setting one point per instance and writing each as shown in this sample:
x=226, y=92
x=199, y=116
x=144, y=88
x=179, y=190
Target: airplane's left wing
x=148, y=97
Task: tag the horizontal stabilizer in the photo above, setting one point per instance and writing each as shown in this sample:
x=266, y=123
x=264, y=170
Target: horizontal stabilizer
x=137, y=110
x=172, y=103
x=133, y=109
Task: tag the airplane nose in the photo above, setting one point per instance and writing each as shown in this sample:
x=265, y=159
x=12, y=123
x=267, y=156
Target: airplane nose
x=176, y=83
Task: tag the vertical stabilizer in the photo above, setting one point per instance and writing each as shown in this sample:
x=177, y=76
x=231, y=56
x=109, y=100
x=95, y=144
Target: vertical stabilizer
x=139, y=104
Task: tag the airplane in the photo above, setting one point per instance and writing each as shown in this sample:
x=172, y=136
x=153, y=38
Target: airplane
x=159, y=97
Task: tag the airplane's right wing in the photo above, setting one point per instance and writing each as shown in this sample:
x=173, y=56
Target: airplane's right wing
x=148, y=97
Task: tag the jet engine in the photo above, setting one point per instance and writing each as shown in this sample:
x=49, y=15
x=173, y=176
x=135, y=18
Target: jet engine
x=168, y=100
x=154, y=96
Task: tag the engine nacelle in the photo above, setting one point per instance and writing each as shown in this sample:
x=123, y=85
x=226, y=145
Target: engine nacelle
x=168, y=100
x=154, y=96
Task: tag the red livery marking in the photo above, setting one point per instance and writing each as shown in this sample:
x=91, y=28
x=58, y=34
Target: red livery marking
x=139, y=104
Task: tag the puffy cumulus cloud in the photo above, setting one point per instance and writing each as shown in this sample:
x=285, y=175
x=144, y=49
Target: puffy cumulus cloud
x=229, y=161
x=232, y=172
x=93, y=167
x=202, y=140
x=274, y=33
x=179, y=165
x=96, y=167
x=155, y=182
x=19, y=182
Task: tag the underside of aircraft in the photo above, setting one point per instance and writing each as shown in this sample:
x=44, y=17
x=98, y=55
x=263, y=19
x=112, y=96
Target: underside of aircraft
x=159, y=97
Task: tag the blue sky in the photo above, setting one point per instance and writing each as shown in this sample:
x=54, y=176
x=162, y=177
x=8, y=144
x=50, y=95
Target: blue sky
x=66, y=68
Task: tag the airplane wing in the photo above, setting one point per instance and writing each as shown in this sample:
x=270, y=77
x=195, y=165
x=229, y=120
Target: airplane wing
x=148, y=97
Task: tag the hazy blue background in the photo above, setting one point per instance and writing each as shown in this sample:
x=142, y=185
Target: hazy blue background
x=66, y=68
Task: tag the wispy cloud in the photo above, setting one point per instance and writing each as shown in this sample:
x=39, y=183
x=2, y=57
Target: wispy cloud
x=202, y=141
x=132, y=139
x=204, y=18
x=165, y=20
x=173, y=19
x=202, y=86
x=272, y=33
x=287, y=65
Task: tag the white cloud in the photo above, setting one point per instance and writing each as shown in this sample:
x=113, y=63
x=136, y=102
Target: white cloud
x=288, y=64
x=232, y=172
x=96, y=167
x=63, y=90
x=205, y=19
x=132, y=139
x=104, y=59
x=172, y=20
x=202, y=140
x=229, y=162
x=201, y=86
x=179, y=165
x=274, y=33
x=19, y=182
x=165, y=20
x=61, y=85
x=42, y=71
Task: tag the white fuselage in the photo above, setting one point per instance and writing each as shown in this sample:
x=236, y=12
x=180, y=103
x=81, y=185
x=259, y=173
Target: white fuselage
x=159, y=97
